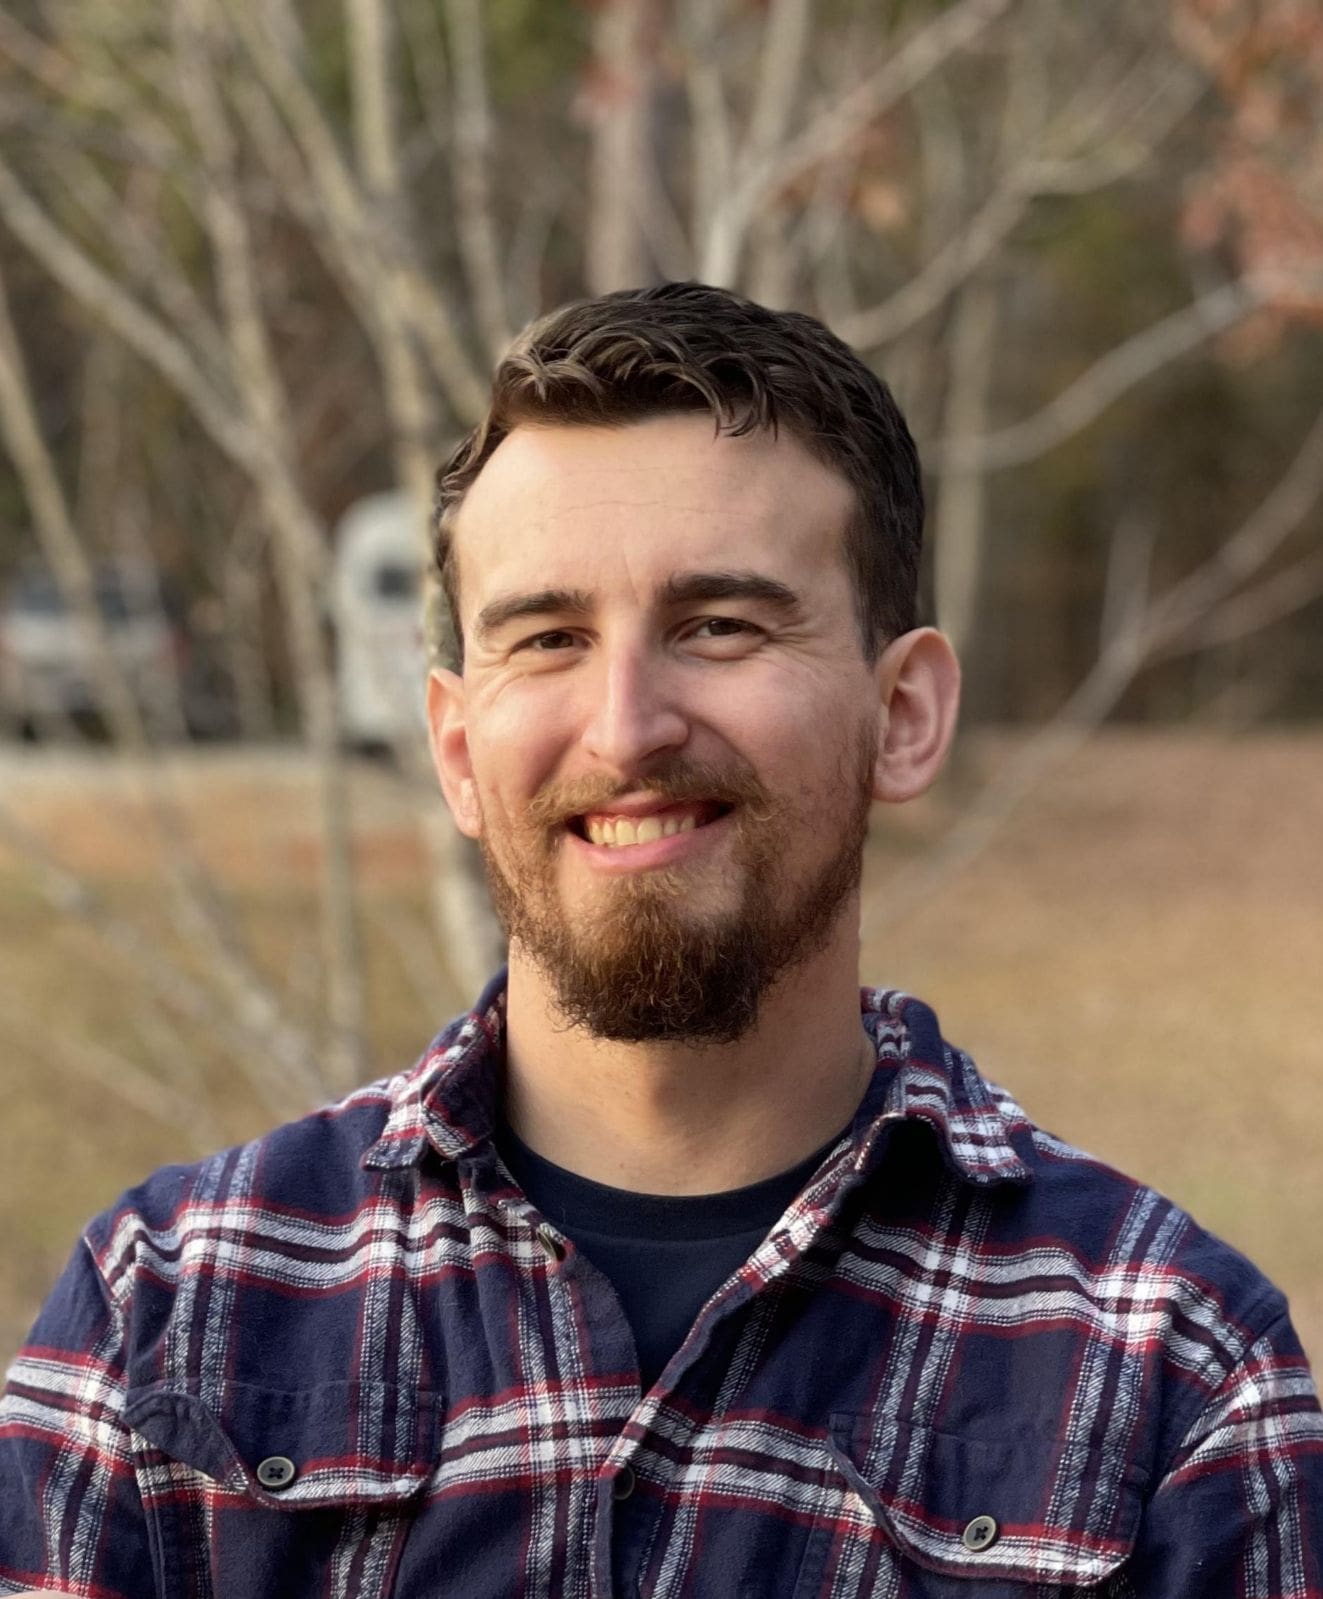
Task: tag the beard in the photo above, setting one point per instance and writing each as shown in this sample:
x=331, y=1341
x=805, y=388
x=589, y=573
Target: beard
x=646, y=965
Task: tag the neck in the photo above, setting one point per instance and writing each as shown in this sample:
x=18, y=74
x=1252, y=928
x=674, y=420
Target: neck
x=679, y=1118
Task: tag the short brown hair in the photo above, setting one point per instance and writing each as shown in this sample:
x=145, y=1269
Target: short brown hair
x=638, y=353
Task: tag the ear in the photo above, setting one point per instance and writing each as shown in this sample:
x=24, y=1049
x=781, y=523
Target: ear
x=919, y=683
x=448, y=735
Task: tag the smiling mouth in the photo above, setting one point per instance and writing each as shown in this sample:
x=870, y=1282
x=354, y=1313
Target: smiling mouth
x=614, y=831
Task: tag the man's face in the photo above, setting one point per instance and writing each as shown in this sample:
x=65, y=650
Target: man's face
x=666, y=731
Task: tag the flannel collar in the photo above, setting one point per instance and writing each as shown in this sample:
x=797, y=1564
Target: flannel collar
x=449, y=1102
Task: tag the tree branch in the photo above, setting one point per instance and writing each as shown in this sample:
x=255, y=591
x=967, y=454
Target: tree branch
x=963, y=253
x=73, y=269
x=923, y=52
x=1276, y=597
x=1120, y=370
x=371, y=32
x=276, y=1057
x=63, y=78
x=614, y=246
x=373, y=257
x=55, y=530
x=1143, y=634
x=711, y=141
x=1295, y=494
x=113, y=1075
x=201, y=917
x=296, y=528
x=973, y=241
x=785, y=36
x=470, y=165
x=117, y=220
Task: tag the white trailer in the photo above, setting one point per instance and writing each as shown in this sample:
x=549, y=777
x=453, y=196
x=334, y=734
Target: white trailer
x=377, y=612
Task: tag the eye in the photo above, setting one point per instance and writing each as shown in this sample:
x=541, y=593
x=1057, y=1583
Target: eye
x=558, y=638
x=722, y=627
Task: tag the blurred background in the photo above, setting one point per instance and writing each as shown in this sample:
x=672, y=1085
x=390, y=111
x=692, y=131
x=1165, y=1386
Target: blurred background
x=256, y=259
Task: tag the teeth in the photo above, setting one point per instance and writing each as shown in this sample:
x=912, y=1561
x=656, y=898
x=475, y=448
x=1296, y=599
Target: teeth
x=616, y=831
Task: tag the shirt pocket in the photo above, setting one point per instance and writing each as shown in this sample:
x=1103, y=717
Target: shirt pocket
x=265, y=1493
x=1004, y=1516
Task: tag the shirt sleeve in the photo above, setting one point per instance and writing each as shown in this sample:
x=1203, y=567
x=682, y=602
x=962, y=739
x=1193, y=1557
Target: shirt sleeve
x=1240, y=1511
x=73, y=1519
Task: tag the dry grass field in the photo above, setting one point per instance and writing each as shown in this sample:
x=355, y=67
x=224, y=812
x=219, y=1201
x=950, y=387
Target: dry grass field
x=1138, y=956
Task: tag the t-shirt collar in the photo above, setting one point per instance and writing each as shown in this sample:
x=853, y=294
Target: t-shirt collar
x=449, y=1102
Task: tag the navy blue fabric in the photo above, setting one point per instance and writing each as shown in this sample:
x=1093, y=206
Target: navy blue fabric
x=665, y=1255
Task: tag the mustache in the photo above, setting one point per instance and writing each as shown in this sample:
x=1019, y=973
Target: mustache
x=676, y=781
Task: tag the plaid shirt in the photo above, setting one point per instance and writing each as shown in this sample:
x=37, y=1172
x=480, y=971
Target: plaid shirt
x=350, y=1359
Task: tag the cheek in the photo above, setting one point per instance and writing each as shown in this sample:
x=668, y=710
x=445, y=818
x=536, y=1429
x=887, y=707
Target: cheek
x=517, y=750
x=811, y=758
x=790, y=739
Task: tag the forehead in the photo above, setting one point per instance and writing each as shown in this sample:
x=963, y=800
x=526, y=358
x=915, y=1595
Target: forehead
x=590, y=508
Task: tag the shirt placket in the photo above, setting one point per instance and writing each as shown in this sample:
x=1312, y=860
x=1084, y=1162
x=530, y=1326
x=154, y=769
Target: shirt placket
x=582, y=1298
x=626, y=1552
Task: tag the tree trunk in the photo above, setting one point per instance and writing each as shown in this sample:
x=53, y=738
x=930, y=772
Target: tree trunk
x=625, y=74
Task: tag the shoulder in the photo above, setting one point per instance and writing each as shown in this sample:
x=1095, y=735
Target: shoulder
x=1066, y=1245
x=1113, y=1234
x=307, y=1174
x=1137, y=1233
x=1136, y=1273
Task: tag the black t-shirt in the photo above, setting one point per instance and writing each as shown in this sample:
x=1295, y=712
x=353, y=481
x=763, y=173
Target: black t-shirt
x=665, y=1255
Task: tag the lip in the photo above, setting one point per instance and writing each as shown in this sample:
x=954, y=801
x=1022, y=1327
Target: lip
x=646, y=857
x=640, y=805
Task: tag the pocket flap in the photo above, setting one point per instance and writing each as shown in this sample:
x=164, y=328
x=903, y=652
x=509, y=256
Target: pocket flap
x=1011, y=1508
x=348, y=1443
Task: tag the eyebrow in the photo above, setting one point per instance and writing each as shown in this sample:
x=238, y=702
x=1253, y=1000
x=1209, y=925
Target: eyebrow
x=686, y=588
x=545, y=602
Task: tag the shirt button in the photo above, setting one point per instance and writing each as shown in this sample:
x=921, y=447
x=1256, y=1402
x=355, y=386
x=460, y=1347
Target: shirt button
x=980, y=1534
x=623, y=1484
x=551, y=1245
x=276, y=1471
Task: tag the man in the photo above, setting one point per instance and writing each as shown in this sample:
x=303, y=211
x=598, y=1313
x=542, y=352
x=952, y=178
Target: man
x=676, y=1268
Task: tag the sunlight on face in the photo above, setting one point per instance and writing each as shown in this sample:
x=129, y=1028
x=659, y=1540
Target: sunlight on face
x=661, y=620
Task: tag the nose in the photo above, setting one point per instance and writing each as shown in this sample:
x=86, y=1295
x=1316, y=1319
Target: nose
x=634, y=714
